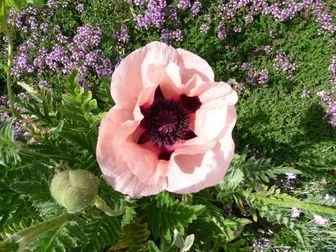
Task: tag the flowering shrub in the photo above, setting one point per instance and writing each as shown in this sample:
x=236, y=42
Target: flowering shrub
x=76, y=177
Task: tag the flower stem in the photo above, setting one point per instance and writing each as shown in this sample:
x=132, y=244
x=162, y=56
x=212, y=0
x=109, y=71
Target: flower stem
x=25, y=235
x=187, y=198
x=288, y=202
x=9, y=65
x=46, y=156
x=101, y=204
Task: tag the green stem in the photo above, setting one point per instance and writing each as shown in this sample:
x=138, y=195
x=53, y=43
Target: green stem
x=9, y=65
x=101, y=204
x=45, y=156
x=5, y=109
x=290, y=202
x=187, y=198
x=25, y=235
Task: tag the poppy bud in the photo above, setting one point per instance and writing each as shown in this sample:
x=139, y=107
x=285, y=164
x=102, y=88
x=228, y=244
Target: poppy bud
x=74, y=189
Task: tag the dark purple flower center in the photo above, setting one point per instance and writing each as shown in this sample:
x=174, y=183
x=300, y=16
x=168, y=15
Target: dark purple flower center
x=167, y=121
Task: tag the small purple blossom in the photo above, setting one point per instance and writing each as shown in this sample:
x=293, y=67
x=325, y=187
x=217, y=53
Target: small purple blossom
x=248, y=19
x=246, y=65
x=290, y=180
x=80, y=7
x=195, y=8
x=320, y=221
x=332, y=69
x=228, y=210
x=177, y=35
x=204, y=28
x=305, y=94
x=237, y=29
x=255, y=77
x=261, y=244
x=268, y=49
x=283, y=64
x=183, y=4
x=154, y=15
x=122, y=36
x=328, y=100
x=295, y=213
x=165, y=35
x=290, y=175
x=43, y=85
x=238, y=87
x=61, y=38
x=330, y=198
x=138, y=2
x=221, y=32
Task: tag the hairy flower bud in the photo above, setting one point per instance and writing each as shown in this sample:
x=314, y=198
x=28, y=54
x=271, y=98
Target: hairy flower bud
x=74, y=189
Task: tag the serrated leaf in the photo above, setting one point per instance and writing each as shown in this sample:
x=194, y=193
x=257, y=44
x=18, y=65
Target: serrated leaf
x=8, y=149
x=17, y=5
x=135, y=238
x=152, y=247
x=35, y=189
x=30, y=90
x=165, y=214
x=128, y=216
x=100, y=232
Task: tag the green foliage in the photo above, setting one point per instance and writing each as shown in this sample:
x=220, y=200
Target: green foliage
x=100, y=232
x=135, y=238
x=19, y=5
x=58, y=239
x=273, y=120
x=250, y=171
x=4, y=12
x=167, y=214
x=218, y=229
x=8, y=149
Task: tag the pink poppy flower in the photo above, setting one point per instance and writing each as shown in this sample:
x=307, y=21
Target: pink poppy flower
x=171, y=126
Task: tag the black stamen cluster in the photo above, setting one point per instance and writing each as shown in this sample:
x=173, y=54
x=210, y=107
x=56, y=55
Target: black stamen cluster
x=167, y=122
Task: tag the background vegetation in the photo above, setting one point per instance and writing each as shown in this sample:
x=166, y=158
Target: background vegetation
x=285, y=156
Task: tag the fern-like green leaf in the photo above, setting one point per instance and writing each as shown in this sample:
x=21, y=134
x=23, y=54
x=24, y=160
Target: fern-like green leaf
x=165, y=214
x=215, y=226
x=100, y=232
x=56, y=240
x=8, y=149
x=135, y=238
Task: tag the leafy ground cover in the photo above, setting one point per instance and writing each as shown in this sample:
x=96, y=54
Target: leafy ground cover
x=280, y=56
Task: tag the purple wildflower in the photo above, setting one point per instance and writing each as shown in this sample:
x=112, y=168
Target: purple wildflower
x=177, y=35
x=268, y=49
x=255, y=77
x=305, y=94
x=221, y=32
x=80, y=7
x=248, y=19
x=183, y=4
x=122, y=36
x=261, y=244
x=320, y=221
x=283, y=64
x=295, y=213
x=195, y=8
x=204, y=28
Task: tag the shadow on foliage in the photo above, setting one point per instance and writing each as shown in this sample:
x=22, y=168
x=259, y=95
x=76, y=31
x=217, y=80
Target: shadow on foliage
x=313, y=149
